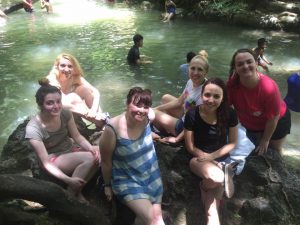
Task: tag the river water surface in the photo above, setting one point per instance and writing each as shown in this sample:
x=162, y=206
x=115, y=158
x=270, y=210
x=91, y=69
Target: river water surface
x=100, y=35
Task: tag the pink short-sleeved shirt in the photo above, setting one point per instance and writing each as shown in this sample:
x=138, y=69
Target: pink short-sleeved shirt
x=255, y=106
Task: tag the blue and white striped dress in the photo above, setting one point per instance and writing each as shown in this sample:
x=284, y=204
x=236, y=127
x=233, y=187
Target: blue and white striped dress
x=135, y=171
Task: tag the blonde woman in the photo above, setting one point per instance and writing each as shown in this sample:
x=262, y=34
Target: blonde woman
x=78, y=94
x=169, y=116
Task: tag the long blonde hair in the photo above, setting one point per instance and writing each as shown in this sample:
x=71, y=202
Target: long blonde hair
x=77, y=70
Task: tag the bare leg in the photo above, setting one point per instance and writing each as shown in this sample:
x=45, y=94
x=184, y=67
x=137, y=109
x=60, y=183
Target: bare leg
x=213, y=177
x=165, y=122
x=157, y=215
x=77, y=164
x=176, y=112
x=77, y=105
x=171, y=15
x=211, y=208
x=143, y=210
x=277, y=145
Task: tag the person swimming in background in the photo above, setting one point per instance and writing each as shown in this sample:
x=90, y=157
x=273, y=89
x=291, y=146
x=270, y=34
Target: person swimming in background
x=184, y=68
x=259, y=54
x=133, y=56
x=27, y=5
x=170, y=8
x=47, y=5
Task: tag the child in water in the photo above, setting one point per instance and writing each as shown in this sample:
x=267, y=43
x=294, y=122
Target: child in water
x=170, y=7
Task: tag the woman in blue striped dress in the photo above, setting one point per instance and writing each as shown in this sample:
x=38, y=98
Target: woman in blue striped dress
x=129, y=163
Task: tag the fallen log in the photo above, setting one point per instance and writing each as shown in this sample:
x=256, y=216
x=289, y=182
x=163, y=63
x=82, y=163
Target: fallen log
x=52, y=196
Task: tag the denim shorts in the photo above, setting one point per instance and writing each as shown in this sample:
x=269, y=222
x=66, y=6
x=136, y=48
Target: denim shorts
x=179, y=126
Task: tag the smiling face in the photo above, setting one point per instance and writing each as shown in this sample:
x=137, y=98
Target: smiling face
x=138, y=104
x=65, y=67
x=139, y=112
x=197, y=70
x=52, y=104
x=212, y=97
x=245, y=65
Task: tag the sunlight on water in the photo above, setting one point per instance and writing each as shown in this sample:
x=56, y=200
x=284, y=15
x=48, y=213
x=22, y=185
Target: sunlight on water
x=2, y=22
x=75, y=12
x=288, y=65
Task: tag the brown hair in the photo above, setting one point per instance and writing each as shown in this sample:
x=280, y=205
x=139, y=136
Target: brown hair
x=45, y=89
x=137, y=96
x=223, y=109
x=233, y=77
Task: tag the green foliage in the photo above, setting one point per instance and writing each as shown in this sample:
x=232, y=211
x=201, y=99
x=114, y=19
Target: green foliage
x=227, y=7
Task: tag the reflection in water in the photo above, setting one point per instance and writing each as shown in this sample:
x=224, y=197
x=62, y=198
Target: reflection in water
x=31, y=23
x=100, y=35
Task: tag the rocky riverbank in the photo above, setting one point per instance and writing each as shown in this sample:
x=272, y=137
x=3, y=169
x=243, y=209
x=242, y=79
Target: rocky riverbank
x=267, y=192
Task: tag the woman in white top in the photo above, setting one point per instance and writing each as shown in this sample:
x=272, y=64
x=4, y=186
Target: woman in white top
x=169, y=115
x=78, y=94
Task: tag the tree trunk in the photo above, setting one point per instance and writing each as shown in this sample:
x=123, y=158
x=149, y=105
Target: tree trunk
x=53, y=197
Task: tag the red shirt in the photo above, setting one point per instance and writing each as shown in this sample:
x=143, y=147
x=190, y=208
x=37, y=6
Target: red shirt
x=255, y=106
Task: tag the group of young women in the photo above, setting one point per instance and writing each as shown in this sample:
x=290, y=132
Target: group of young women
x=203, y=116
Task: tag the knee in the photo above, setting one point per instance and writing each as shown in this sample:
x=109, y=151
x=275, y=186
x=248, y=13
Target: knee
x=166, y=98
x=90, y=161
x=194, y=165
x=216, y=175
x=213, y=173
x=146, y=218
x=157, y=216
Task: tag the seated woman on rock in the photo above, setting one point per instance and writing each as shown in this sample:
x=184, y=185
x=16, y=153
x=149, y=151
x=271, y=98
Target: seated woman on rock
x=169, y=115
x=48, y=133
x=129, y=162
x=210, y=132
x=78, y=94
x=258, y=103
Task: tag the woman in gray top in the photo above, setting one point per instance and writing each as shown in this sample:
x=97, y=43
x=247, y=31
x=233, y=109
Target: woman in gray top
x=52, y=133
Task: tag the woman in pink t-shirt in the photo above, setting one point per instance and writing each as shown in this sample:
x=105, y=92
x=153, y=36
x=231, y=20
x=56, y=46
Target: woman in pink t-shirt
x=258, y=103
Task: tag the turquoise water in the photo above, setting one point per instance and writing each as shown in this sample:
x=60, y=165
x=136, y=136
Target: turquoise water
x=100, y=36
